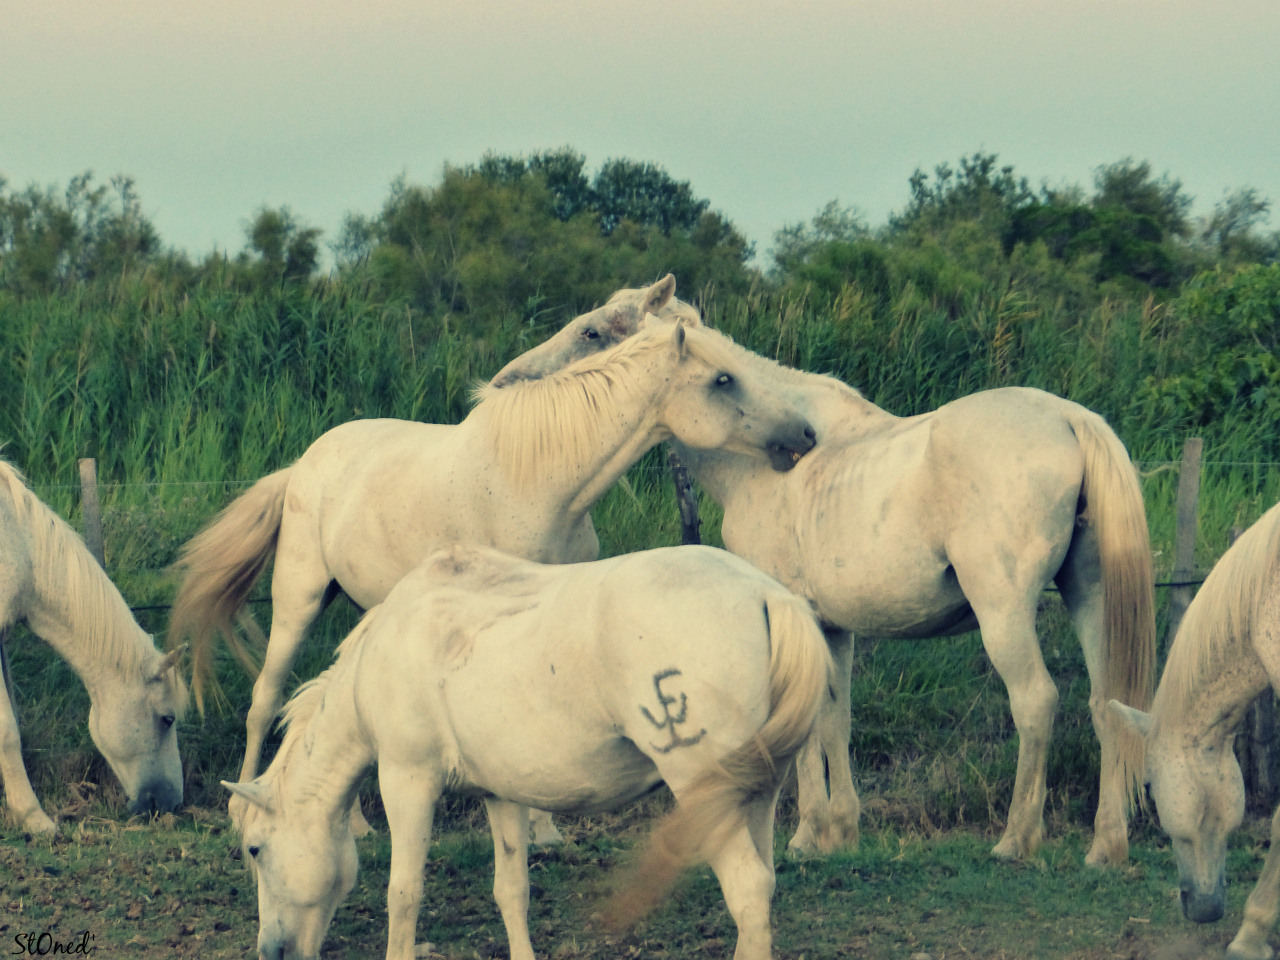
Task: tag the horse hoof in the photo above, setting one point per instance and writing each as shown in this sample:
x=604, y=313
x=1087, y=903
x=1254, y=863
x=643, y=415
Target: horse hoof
x=1241, y=949
x=38, y=822
x=1103, y=855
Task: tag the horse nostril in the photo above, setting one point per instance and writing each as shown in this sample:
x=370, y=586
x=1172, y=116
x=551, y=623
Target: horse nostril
x=811, y=434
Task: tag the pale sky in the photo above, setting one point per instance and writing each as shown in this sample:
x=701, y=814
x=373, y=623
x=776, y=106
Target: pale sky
x=769, y=109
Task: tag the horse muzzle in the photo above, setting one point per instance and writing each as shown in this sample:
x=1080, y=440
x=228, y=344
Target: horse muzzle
x=159, y=797
x=1205, y=907
x=786, y=449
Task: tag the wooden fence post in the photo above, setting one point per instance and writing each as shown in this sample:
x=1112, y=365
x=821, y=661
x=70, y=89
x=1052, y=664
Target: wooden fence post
x=687, y=497
x=92, y=510
x=1184, y=553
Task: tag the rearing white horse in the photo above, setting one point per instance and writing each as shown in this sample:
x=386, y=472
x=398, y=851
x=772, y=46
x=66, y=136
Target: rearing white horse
x=371, y=498
x=933, y=525
x=49, y=579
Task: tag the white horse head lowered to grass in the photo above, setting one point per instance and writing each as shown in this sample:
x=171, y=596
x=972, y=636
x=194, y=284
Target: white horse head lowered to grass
x=574, y=688
x=371, y=498
x=1227, y=651
x=932, y=525
x=49, y=579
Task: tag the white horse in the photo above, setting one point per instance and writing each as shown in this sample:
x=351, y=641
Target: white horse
x=371, y=498
x=620, y=318
x=1227, y=651
x=574, y=688
x=50, y=580
x=933, y=525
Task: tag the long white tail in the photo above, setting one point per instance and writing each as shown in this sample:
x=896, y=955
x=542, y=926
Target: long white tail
x=715, y=805
x=1114, y=506
x=221, y=565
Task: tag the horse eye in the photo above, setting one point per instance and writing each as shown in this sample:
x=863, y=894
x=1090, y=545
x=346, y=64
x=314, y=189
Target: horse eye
x=167, y=721
x=591, y=333
x=253, y=852
x=724, y=380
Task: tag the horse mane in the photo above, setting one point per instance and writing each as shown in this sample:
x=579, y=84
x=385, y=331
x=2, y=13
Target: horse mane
x=297, y=712
x=538, y=425
x=69, y=581
x=1222, y=615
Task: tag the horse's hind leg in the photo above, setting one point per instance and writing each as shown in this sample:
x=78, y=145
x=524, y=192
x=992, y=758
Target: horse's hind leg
x=1082, y=592
x=747, y=882
x=828, y=802
x=23, y=805
x=298, y=589
x=1009, y=635
x=509, y=823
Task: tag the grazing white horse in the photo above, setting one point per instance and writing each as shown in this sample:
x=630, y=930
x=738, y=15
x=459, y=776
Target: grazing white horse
x=50, y=580
x=574, y=688
x=1227, y=651
x=932, y=525
x=371, y=498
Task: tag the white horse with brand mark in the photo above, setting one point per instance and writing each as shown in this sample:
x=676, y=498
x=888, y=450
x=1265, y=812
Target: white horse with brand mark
x=573, y=688
x=1227, y=651
x=933, y=525
x=371, y=498
x=50, y=580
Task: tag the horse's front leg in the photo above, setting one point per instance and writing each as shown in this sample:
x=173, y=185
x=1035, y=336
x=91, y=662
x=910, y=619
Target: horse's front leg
x=1262, y=908
x=23, y=805
x=509, y=823
x=409, y=793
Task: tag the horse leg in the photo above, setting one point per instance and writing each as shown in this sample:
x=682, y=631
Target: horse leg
x=297, y=596
x=1009, y=636
x=747, y=883
x=509, y=823
x=23, y=805
x=1082, y=592
x=408, y=795
x=829, y=808
x=544, y=829
x=1262, y=908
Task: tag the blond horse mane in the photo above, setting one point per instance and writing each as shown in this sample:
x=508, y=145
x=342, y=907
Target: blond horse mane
x=306, y=700
x=1222, y=615
x=70, y=582
x=538, y=425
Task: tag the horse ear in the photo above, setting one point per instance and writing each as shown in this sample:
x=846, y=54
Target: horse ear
x=657, y=296
x=255, y=791
x=677, y=339
x=1134, y=720
x=169, y=661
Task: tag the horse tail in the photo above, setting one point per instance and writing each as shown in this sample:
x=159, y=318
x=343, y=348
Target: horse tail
x=1114, y=506
x=714, y=807
x=221, y=565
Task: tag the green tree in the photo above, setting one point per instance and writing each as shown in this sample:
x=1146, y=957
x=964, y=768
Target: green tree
x=283, y=249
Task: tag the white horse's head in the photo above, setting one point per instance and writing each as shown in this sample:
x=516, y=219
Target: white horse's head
x=621, y=317
x=305, y=866
x=1199, y=794
x=134, y=726
x=719, y=399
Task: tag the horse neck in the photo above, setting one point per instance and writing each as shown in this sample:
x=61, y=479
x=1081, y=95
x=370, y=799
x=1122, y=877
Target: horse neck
x=1221, y=696
x=569, y=483
x=76, y=608
x=331, y=754
x=835, y=410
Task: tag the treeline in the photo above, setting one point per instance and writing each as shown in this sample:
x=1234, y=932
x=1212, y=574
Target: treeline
x=115, y=346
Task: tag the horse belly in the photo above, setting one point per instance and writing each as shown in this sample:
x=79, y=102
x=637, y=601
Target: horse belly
x=555, y=769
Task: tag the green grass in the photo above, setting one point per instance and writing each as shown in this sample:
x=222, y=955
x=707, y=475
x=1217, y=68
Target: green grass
x=176, y=887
